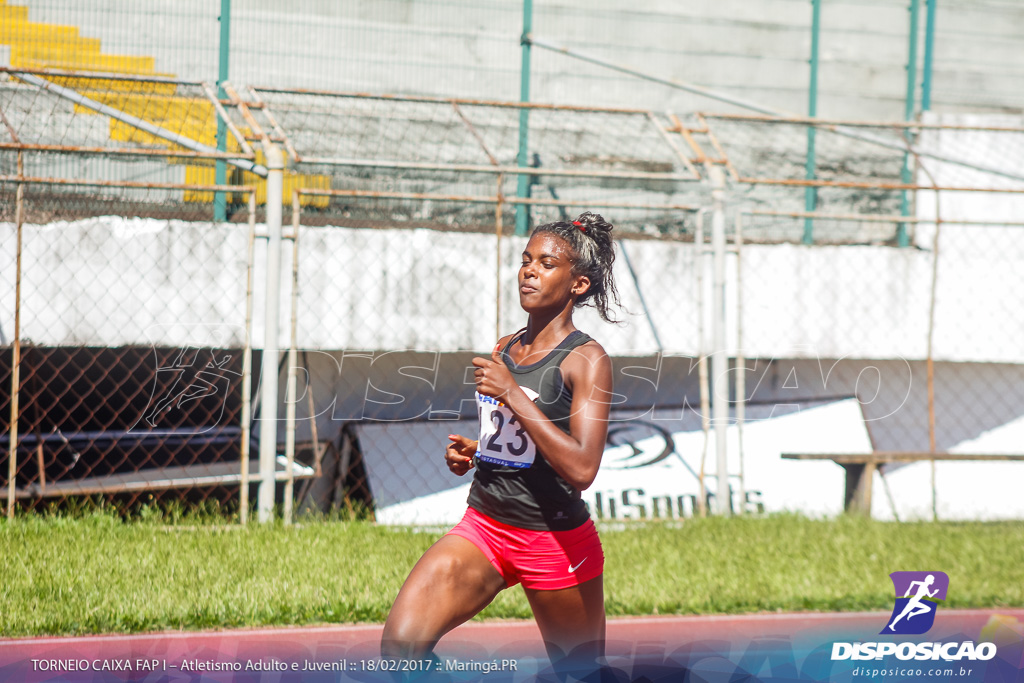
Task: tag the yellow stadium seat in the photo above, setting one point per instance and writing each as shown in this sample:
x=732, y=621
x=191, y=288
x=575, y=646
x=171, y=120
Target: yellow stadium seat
x=157, y=107
x=91, y=86
x=13, y=13
x=63, y=51
x=35, y=45
x=205, y=175
x=33, y=32
x=85, y=61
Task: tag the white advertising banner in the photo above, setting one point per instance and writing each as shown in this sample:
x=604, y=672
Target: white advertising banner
x=651, y=469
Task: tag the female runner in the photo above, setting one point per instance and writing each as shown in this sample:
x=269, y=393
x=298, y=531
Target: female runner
x=543, y=398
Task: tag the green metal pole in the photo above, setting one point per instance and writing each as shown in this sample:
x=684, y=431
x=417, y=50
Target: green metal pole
x=220, y=209
x=911, y=100
x=523, y=186
x=908, y=115
x=811, y=193
x=929, y=48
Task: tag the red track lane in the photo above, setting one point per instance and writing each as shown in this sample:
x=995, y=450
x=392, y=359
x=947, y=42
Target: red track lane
x=626, y=636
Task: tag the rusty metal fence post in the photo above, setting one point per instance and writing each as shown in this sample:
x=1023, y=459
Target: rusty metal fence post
x=12, y=467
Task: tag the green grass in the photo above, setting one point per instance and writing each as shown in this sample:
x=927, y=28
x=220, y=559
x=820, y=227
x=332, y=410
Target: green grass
x=95, y=573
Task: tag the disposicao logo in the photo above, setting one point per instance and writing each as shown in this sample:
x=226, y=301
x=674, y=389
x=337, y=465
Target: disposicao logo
x=917, y=598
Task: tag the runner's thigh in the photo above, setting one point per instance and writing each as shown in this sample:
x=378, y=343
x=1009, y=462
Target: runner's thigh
x=449, y=585
x=571, y=620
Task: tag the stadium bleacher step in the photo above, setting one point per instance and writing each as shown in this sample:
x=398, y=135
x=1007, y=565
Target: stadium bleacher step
x=38, y=45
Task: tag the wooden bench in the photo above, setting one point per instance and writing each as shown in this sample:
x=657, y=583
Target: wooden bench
x=178, y=477
x=151, y=478
x=860, y=469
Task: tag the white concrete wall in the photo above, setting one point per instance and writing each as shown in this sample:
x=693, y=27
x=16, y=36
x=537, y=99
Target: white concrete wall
x=113, y=281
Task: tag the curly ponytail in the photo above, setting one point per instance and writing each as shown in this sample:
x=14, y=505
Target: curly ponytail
x=590, y=237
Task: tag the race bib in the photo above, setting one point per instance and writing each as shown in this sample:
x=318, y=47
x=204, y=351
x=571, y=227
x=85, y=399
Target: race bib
x=503, y=439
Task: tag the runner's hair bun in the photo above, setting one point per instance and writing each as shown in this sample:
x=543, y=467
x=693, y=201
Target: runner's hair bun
x=590, y=237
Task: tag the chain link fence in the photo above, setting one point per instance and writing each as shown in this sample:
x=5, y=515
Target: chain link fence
x=129, y=324
x=444, y=163
x=920, y=336
x=124, y=305
x=421, y=216
x=473, y=49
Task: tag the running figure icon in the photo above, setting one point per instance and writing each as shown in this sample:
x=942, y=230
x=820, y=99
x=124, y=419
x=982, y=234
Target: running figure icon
x=915, y=605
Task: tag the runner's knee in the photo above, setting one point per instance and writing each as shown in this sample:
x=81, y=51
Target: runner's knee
x=404, y=637
x=419, y=613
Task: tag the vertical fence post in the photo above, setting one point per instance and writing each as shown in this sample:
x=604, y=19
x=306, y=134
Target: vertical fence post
x=741, y=363
x=720, y=359
x=220, y=207
x=811, y=193
x=293, y=353
x=929, y=48
x=268, y=371
x=12, y=443
x=908, y=115
x=702, y=362
x=498, y=229
x=523, y=184
x=243, y=493
x=931, y=348
x=926, y=105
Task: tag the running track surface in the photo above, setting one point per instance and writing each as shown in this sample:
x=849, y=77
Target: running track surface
x=627, y=637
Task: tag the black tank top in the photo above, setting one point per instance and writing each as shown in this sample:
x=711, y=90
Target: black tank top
x=513, y=483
